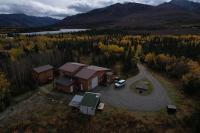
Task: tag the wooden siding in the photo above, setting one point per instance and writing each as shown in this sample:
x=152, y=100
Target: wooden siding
x=43, y=77
x=66, y=89
x=87, y=110
x=110, y=78
x=87, y=84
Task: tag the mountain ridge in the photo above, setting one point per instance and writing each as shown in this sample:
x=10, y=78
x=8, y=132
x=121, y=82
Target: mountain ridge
x=173, y=14
x=24, y=21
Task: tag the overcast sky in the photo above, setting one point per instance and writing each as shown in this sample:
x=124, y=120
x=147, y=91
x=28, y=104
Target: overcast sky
x=61, y=8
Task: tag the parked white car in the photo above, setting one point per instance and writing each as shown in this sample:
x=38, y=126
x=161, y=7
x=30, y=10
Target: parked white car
x=120, y=83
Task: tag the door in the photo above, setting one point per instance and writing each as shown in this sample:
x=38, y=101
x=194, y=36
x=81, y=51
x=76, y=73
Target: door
x=94, y=82
x=81, y=86
x=71, y=89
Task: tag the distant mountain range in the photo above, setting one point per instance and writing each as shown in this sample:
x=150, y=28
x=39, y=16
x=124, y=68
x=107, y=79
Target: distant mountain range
x=24, y=21
x=174, y=14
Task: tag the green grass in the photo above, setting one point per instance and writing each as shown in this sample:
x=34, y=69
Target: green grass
x=172, y=87
x=147, y=82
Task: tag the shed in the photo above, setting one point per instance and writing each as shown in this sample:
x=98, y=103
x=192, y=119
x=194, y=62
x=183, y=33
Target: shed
x=65, y=84
x=90, y=103
x=43, y=74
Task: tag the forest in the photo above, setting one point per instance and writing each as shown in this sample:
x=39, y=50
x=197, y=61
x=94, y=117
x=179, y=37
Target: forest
x=176, y=56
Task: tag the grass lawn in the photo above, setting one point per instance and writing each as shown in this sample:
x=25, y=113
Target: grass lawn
x=148, y=84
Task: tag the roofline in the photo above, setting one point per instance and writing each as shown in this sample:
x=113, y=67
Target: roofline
x=106, y=69
x=72, y=82
x=76, y=63
x=86, y=78
x=93, y=93
x=33, y=69
x=43, y=71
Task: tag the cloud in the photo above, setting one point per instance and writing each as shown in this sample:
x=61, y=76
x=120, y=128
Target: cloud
x=35, y=8
x=81, y=7
x=61, y=8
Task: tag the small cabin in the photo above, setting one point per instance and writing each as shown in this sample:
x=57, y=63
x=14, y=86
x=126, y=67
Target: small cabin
x=43, y=74
x=90, y=103
x=87, y=104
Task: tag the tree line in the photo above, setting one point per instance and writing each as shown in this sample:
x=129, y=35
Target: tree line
x=184, y=69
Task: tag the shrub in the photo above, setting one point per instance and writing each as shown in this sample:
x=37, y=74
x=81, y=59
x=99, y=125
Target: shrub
x=191, y=83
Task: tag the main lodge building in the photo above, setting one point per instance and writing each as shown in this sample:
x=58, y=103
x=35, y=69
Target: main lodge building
x=77, y=76
x=74, y=76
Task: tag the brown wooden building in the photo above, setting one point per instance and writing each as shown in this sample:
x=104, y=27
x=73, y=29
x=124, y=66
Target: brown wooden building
x=77, y=76
x=70, y=69
x=90, y=77
x=42, y=74
x=67, y=82
x=110, y=77
x=66, y=85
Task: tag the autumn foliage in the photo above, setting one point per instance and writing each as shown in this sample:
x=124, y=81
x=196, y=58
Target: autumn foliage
x=187, y=70
x=4, y=91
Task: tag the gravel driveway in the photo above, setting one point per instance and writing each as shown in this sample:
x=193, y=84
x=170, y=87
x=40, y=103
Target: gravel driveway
x=126, y=98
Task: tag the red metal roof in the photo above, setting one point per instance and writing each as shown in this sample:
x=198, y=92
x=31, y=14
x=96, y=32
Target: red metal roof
x=88, y=72
x=110, y=73
x=42, y=68
x=96, y=68
x=85, y=73
x=71, y=67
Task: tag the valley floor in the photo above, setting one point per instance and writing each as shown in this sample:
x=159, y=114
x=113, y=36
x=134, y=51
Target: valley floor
x=48, y=110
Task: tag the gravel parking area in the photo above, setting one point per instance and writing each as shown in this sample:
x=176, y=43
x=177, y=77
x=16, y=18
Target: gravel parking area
x=126, y=98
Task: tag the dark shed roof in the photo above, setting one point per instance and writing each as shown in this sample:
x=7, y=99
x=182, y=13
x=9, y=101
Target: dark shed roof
x=71, y=67
x=64, y=81
x=42, y=68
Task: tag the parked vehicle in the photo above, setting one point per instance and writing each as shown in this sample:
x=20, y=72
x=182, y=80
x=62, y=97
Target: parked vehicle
x=120, y=83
